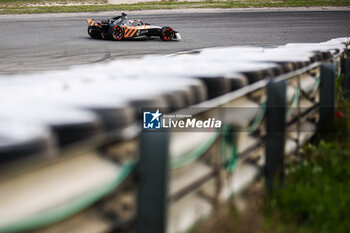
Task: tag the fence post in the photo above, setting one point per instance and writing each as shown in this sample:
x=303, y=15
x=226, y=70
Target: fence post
x=346, y=71
x=327, y=97
x=275, y=133
x=153, y=182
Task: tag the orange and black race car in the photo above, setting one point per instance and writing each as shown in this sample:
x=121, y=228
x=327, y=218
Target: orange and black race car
x=120, y=27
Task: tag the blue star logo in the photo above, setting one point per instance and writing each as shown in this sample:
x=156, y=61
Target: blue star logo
x=151, y=120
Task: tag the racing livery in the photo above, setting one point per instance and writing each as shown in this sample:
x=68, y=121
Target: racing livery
x=120, y=27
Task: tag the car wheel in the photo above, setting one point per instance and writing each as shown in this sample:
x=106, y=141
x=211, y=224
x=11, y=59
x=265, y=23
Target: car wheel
x=118, y=33
x=94, y=32
x=167, y=33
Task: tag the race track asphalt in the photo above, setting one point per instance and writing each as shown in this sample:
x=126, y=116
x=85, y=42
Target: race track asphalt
x=31, y=43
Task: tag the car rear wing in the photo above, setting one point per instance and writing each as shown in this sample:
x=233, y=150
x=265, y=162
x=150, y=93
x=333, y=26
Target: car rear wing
x=92, y=23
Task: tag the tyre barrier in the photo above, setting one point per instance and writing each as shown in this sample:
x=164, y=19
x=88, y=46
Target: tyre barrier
x=73, y=156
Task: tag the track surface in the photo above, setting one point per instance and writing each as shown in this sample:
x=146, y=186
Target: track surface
x=46, y=42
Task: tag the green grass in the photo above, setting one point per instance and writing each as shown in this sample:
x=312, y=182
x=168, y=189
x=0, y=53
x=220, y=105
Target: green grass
x=316, y=197
x=22, y=6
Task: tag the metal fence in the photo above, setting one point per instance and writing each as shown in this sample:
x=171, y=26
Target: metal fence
x=155, y=182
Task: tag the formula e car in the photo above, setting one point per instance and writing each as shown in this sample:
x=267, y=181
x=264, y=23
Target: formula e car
x=120, y=27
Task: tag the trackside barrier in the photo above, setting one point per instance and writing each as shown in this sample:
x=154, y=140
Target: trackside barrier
x=123, y=179
x=277, y=123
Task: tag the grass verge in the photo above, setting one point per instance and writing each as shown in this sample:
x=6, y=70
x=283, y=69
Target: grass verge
x=45, y=6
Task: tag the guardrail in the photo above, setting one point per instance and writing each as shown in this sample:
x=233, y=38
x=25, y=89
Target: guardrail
x=84, y=164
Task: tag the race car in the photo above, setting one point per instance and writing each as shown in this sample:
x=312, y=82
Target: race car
x=120, y=27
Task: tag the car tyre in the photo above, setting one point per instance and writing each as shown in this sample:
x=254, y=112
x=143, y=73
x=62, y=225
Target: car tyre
x=167, y=33
x=94, y=32
x=118, y=33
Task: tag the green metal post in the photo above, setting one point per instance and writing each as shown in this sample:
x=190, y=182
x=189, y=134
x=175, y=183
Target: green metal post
x=275, y=133
x=153, y=182
x=327, y=97
x=346, y=72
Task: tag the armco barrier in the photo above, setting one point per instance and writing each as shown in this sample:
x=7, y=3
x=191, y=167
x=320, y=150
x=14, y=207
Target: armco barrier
x=74, y=158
